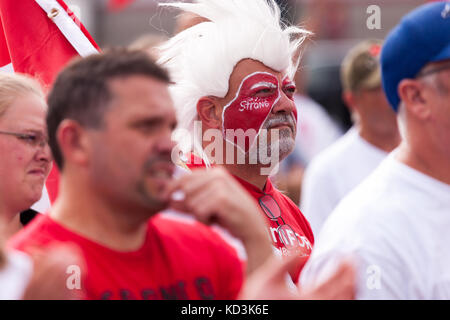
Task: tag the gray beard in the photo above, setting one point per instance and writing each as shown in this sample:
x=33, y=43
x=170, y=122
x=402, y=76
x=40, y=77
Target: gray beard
x=286, y=141
x=283, y=146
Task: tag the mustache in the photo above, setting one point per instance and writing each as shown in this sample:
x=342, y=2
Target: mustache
x=162, y=157
x=279, y=119
x=44, y=165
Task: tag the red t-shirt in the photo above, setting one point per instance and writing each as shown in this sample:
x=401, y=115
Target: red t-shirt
x=290, y=213
x=179, y=260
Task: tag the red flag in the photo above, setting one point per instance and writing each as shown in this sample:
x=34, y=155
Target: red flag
x=39, y=45
x=5, y=60
x=116, y=5
x=39, y=37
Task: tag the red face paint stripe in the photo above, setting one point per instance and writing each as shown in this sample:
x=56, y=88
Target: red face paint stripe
x=289, y=84
x=248, y=111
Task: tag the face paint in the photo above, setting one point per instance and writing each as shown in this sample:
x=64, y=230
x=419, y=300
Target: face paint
x=289, y=88
x=255, y=98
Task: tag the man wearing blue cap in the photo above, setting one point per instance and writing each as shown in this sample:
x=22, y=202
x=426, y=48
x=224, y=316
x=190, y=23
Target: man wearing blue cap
x=395, y=225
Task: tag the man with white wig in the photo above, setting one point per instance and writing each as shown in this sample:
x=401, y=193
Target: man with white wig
x=233, y=91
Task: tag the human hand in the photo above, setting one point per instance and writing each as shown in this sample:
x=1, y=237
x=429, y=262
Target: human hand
x=269, y=282
x=50, y=273
x=215, y=197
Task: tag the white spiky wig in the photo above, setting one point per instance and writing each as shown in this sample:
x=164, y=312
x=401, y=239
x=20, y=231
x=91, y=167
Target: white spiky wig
x=201, y=59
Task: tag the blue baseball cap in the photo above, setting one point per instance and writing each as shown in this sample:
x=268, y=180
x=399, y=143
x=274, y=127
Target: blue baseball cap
x=422, y=36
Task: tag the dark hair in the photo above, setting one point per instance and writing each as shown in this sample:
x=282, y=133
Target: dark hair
x=81, y=90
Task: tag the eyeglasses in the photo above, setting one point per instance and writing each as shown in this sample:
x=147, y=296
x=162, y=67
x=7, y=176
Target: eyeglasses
x=32, y=139
x=433, y=70
x=285, y=232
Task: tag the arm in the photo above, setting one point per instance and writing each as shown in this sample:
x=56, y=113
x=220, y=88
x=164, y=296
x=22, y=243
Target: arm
x=269, y=283
x=50, y=277
x=214, y=197
x=2, y=242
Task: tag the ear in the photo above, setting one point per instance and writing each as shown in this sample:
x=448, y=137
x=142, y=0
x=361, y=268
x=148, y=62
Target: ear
x=73, y=142
x=210, y=112
x=411, y=93
x=349, y=98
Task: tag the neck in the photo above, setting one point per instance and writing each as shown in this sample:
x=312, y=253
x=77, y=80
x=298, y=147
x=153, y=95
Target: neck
x=3, y=223
x=11, y=221
x=249, y=173
x=240, y=166
x=386, y=141
x=81, y=209
x=425, y=160
x=13, y=226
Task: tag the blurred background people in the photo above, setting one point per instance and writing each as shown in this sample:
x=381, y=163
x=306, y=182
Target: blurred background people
x=395, y=223
x=316, y=131
x=24, y=166
x=148, y=43
x=15, y=267
x=26, y=158
x=343, y=165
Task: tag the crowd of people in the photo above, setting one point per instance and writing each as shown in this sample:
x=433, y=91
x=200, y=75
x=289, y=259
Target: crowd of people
x=165, y=156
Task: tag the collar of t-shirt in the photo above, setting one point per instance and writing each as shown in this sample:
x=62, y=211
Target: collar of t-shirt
x=428, y=184
x=254, y=190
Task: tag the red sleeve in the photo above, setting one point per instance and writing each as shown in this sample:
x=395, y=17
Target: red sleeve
x=231, y=274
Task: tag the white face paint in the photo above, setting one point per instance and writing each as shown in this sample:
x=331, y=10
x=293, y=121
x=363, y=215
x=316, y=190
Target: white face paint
x=261, y=85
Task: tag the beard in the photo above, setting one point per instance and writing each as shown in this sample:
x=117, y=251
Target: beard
x=280, y=147
x=150, y=191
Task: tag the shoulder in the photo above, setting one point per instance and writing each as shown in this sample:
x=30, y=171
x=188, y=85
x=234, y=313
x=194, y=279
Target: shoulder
x=332, y=158
x=312, y=112
x=15, y=275
x=39, y=232
x=370, y=215
x=285, y=203
x=378, y=227
x=290, y=207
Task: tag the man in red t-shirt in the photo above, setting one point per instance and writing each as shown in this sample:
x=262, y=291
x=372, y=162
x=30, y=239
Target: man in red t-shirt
x=110, y=121
x=234, y=92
